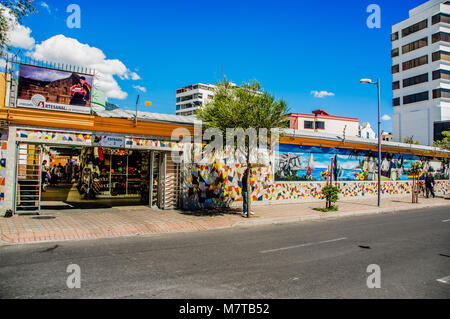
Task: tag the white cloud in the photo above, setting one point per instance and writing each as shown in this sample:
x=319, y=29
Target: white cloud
x=2, y=64
x=70, y=51
x=386, y=118
x=18, y=35
x=46, y=6
x=321, y=94
x=135, y=76
x=140, y=88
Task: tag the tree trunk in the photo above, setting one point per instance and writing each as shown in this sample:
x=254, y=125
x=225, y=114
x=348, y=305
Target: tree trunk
x=418, y=190
x=249, y=191
x=415, y=190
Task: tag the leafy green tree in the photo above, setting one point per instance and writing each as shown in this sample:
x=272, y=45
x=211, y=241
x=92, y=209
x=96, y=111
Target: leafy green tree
x=410, y=140
x=19, y=9
x=416, y=169
x=331, y=194
x=445, y=142
x=245, y=107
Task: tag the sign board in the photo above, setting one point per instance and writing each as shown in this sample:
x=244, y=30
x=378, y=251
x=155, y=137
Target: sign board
x=54, y=90
x=109, y=141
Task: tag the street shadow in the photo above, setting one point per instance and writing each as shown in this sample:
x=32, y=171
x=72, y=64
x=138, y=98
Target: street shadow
x=103, y=204
x=212, y=212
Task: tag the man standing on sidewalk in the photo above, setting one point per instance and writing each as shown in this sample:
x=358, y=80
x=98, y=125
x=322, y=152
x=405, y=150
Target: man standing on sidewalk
x=429, y=184
x=245, y=191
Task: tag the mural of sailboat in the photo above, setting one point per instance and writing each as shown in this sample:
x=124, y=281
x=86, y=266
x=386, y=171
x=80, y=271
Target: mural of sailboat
x=311, y=165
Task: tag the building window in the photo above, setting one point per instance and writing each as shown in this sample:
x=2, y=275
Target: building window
x=415, y=28
x=415, y=80
x=320, y=125
x=187, y=98
x=414, y=63
x=415, y=45
x=395, y=69
x=414, y=98
x=309, y=125
x=395, y=52
x=440, y=36
x=396, y=85
x=441, y=74
x=441, y=55
x=394, y=36
x=441, y=93
x=441, y=17
x=396, y=101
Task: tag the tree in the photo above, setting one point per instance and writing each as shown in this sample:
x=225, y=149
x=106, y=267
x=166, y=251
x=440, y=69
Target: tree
x=416, y=170
x=445, y=142
x=410, y=140
x=18, y=9
x=331, y=194
x=245, y=107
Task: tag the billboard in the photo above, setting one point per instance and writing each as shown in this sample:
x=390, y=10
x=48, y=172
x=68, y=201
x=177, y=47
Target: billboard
x=54, y=90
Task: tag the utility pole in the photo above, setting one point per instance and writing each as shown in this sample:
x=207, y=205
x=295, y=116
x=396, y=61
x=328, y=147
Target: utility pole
x=136, y=118
x=378, y=84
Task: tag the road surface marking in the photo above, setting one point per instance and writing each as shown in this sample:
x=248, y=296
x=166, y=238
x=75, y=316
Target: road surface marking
x=303, y=245
x=445, y=221
x=445, y=280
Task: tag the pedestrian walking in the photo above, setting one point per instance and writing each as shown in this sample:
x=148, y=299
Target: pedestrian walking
x=429, y=184
x=44, y=177
x=69, y=172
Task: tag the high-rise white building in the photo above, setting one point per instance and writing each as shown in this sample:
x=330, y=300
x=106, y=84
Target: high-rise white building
x=421, y=71
x=193, y=97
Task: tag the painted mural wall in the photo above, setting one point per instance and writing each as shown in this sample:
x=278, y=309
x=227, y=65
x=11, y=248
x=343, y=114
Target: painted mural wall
x=302, y=169
x=309, y=163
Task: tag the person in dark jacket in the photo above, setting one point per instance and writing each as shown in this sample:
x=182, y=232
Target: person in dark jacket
x=245, y=194
x=429, y=184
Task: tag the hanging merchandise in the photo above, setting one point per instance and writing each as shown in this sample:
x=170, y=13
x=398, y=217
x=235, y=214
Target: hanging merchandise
x=97, y=185
x=100, y=154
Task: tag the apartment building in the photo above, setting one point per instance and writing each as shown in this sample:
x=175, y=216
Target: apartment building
x=421, y=71
x=193, y=97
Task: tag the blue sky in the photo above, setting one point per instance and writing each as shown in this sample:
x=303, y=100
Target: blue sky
x=291, y=47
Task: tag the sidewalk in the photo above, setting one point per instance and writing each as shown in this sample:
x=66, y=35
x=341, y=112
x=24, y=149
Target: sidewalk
x=134, y=221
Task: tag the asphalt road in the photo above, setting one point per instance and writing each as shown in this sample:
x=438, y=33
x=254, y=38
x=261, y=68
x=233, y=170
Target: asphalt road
x=324, y=259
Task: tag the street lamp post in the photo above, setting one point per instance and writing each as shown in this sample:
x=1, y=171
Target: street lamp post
x=369, y=81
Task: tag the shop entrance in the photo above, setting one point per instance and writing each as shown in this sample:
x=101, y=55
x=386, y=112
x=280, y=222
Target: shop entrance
x=75, y=177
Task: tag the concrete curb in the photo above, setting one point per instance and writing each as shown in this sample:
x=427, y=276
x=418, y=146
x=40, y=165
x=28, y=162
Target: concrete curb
x=325, y=216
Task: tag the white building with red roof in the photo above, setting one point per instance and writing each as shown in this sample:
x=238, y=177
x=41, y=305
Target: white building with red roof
x=321, y=121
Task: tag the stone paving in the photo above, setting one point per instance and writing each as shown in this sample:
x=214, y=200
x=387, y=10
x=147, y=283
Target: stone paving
x=84, y=224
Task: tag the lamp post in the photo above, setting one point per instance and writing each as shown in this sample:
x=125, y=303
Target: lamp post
x=369, y=81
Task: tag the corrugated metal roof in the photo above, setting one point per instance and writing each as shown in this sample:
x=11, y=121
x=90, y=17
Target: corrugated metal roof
x=355, y=139
x=192, y=120
x=150, y=117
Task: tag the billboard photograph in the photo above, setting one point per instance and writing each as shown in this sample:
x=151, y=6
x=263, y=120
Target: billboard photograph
x=54, y=90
